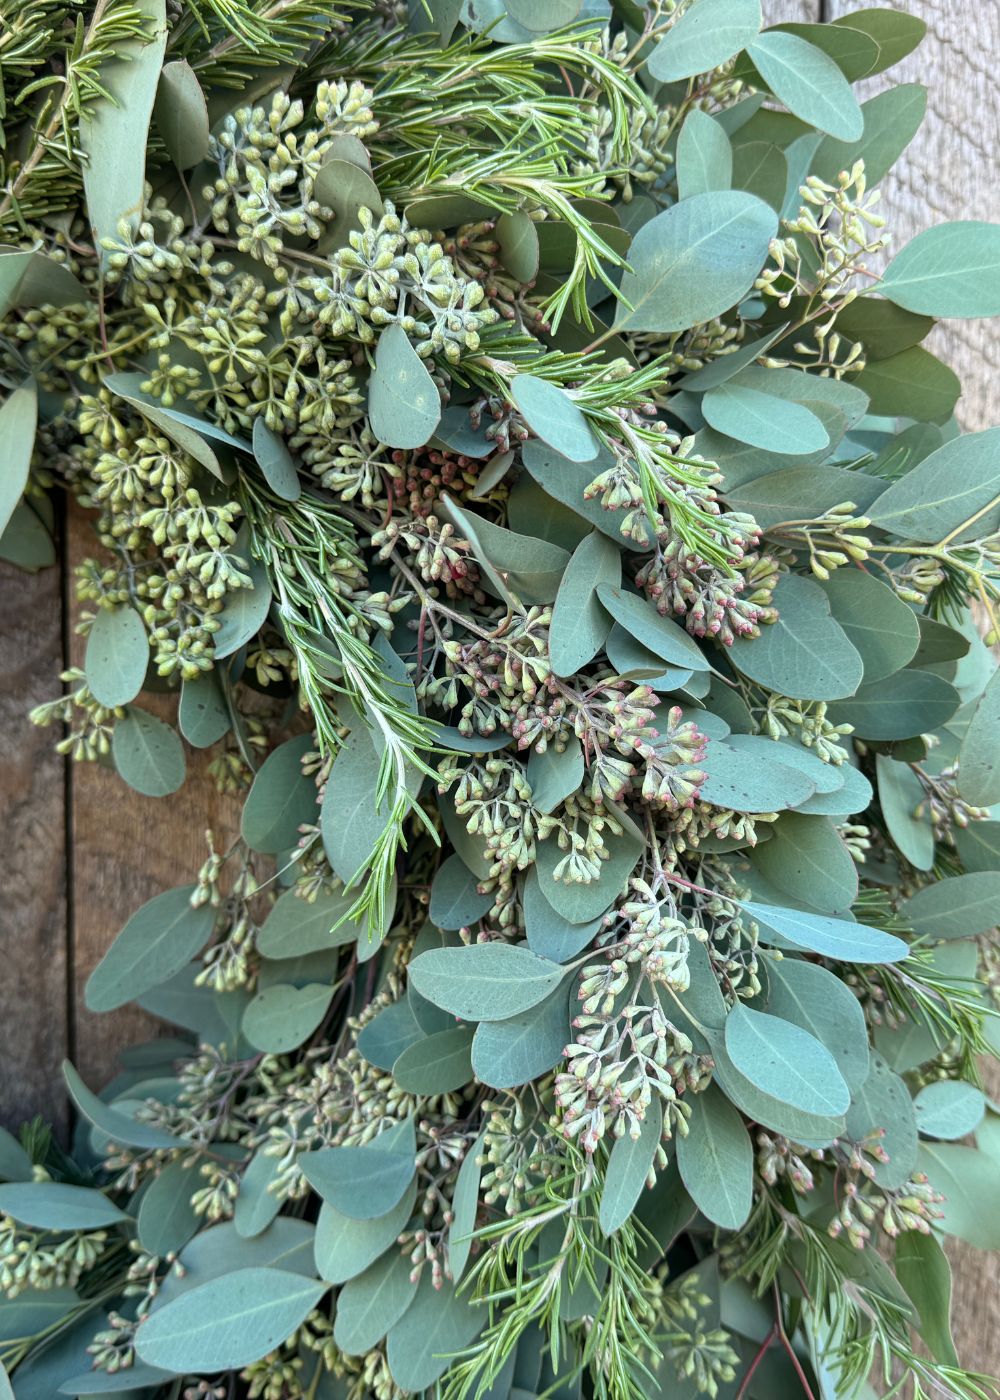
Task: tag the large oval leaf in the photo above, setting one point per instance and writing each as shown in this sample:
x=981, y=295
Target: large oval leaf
x=228, y=1322
x=785, y=1061
x=694, y=261
x=950, y=270
x=707, y=34
x=715, y=1158
x=148, y=753
x=404, y=406
x=809, y=83
x=117, y=656
x=553, y=416
x=18, y=420
x=580, y=625
x=157, y=942
x=485, y=982
x=281, y=799
x=805, y=654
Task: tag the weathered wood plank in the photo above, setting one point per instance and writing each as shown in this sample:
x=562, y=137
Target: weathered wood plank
x=33, y=917
x=124, y=849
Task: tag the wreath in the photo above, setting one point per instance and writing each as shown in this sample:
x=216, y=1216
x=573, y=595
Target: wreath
x=514, y=458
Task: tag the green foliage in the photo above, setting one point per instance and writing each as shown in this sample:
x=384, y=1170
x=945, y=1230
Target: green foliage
x=507, y=466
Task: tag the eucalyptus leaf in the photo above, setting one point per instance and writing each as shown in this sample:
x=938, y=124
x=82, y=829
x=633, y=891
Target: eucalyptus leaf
x=507, y=1054
x=437, y=1324
x=346, y=1247
x=148, y=754
x=228, y=1322
x=369, y=1305
x=555, y=774
x=949, y=1109
x=257, y=1205
x=275, y=461
x=883, y=1101
x=203, y=716
x=715, y=1158
x=243, y=614
x=899, y=707
x=58, y=1206
x=744, y=413
x=900, y=795
x=518, y=242
x=180, y=114
x=891, y=120
x=805, y=654
x=960, y=907
x=114, y=1125
x=979, y=768
x=832, y=938
x=362, y=1182
x=695, y=260
x=484, y=982
x=166, y=1218
x=704, y=155
x=951, y=270
x=548, y=933
x=955, y=492
x=552, y=415
x=191, y=434
x=807, y=860
x=113, y=138
x=439, y=1063
x=922, y=1268
x=18, y=421
x=580, y=625
x=383, y=1039
x=517, y=566
x=465, y=1208
x=813, y=998
x=404, y=407
x=579, y=902
x=738, y=779
x=880, y=627
x=657, y=633
x=913, y=384
x=629, y=1166
x=455, y=898
x=345, y=188
x=281, y=1017
x=281, y=799
x=809, y=83
x=159, y=940
x=708, y=33
x=785, y=1061
x=117, y=656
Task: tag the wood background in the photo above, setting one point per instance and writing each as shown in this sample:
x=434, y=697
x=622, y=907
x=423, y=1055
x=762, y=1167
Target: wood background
x=82, y=851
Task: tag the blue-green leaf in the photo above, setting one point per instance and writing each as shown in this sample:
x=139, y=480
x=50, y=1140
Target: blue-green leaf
x=707, y=34
x=228, y=1322
x=694, y=261
x=715, y=1158
x=950, y=270
x=809, y=83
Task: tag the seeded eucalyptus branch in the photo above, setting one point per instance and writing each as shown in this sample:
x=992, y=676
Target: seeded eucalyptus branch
x=511, y=448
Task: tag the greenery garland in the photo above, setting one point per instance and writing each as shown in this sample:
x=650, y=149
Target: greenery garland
x=512, y=458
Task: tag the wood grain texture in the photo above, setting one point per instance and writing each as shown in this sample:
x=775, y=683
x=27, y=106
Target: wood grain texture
x=33, y=911
x=125, y=849
x=950, y=170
